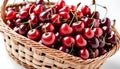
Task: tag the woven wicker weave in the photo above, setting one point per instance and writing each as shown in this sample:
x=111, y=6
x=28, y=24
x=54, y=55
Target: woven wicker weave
x=34, y=55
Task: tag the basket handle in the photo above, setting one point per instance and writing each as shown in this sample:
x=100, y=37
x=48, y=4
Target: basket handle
x=3, y=7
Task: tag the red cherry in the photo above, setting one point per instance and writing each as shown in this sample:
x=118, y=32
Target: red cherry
x=58, y=36
x=98, y=32
x=23, y=15
x=97, y=23
x=64, y=9
x=68, y=41
x=18, y=22
x=112, y=39
x=89, y=33
x=34, y=34
x=84, y=53
x=48, y=27
x=106, y=22
x=96, y=14
x=33, y=20
x=64, y=15
x=79, y=14
x=72, y=7
x=28, y=6
x=11, y=15
x=78, y=27
x=11, y=24
x=65, y=29
x=80, y=41
x=39, y=2
x=38, y=9
x=63, y=48
x=88, y=22
x=56, y=19
x=23, y=29
x=60, y=3
x=86, y=10
x=48, y=38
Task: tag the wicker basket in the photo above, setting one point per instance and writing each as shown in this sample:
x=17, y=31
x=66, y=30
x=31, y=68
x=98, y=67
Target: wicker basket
x=34, y=55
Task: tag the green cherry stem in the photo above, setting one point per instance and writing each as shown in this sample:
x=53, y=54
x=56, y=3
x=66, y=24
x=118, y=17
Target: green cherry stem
x=71, y=49
x=94, y=3
x=50, y=7
x=45, y=29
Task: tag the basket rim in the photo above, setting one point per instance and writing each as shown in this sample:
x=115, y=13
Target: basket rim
x=72, y=59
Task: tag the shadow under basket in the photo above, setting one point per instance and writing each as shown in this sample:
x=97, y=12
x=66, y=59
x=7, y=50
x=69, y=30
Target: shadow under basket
x=34, y=55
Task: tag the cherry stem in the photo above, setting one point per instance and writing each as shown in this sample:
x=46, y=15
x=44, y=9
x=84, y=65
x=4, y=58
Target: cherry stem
x=75, y=14
x=93, y=23
x=24, y=22
x=91, y=51
x=30, y=26
x=94, y=3
x=71, y=49
x=50, y=7
x=45, y=29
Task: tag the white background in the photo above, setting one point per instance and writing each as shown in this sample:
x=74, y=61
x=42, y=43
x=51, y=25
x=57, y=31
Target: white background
x=113, y=12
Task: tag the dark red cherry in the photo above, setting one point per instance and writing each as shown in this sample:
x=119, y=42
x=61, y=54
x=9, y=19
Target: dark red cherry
x=39, y=2
x=45, y=16
x=102, y=51
x=29, y=7
x=18, y=22
x=112, y=39
x=23, y=29
x=16, y=29
x=86, y=10
x=10, y=23
x=79, y=14
x=38, y=9
x=23, y=15
x=68, y=41
x=106, y=29
x=88, y=33
x=96, y=14
x=78, y=27
x=98, y=32
x=63, y=48
x=58, y=36
x=84, y=53
x=94, y=42
x=64, y=9
x=65, y=16
x=34, y=34
x=80, y=41
x=88, y=22
x=95, y=53
x=33, y=20
x=65, y=29
x=101, y=42
x=56, y=19
x=106, y=22
x=11, y=15
x=48, y=38
x=60, y=3
x=48, y=27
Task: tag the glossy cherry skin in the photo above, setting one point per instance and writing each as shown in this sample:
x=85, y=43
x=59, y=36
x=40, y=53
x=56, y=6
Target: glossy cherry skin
x=33, y=20
x=101, y=42
x=65, y=16
x=96, y=15
x=38, y=9
x=11, y=15
x=89, y=33
x=86, y=10
x=60, y=4
x=106, y=30
x=39, y=2
x=48, y=27
x=63, y=48
x=28, y=7
x=78, y=27
x=10, y=23
x=96, y=22
x=88, y=22
x=23, y=29
x=106, y=22
x=48, y=38
x=68, y=41
x=34, y=34
x=72, y=7
x=98, y=32
x=112, y=39
x=58, y=36
x=55, y=19
x=94, y=42
x=79, y=14
x=45, y=16
x=65, y=29
x=18, y=22
x=84, y=53
x=95, y=53
x=23, y=15
x=64, y=9
x=80, y=41
x=102, y=51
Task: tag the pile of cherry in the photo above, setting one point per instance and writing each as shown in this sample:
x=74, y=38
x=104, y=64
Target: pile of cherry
x=79, y=32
